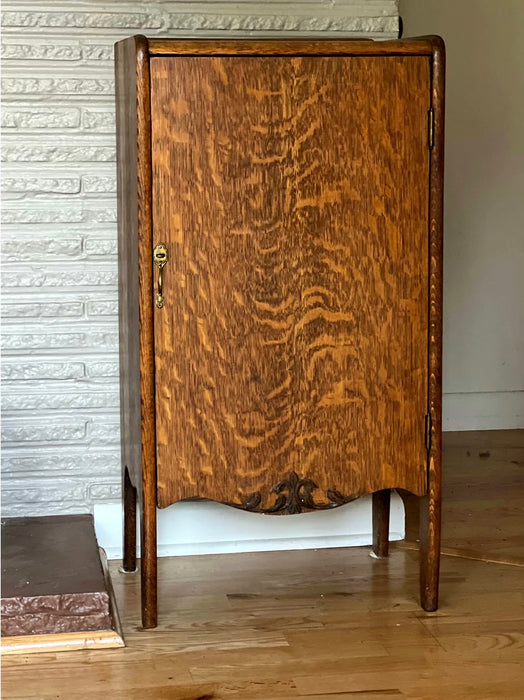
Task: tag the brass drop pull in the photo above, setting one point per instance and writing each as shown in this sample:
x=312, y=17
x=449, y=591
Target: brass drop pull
x=160, y=258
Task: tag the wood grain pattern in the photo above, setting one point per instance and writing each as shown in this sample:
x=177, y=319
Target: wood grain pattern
x=294, y=334
x=422, y=46
x=66, y=641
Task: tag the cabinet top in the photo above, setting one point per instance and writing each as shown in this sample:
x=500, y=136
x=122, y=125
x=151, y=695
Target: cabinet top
x=425, y=46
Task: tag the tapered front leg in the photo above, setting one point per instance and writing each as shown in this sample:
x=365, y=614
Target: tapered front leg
x=381, y=507
x=430, y=524
x=129, y=545
x=148, y=562
x=429, y=552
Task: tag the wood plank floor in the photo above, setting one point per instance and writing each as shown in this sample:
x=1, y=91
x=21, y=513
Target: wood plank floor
x=328, y=624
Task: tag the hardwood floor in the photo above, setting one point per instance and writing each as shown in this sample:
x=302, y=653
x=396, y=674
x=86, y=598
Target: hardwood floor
x=327, y=624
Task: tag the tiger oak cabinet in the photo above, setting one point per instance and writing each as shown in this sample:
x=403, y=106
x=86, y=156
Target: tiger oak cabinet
x=280, y=255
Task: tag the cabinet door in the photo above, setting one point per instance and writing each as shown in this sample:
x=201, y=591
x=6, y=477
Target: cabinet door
x=292, y=195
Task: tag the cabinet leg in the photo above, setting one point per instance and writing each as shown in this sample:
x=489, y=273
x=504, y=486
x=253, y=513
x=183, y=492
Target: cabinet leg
x=381, y=506
x=129, y=497
x=429, y=552
x=148, y=562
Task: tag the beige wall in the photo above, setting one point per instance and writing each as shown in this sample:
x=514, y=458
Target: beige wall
x=484, y=207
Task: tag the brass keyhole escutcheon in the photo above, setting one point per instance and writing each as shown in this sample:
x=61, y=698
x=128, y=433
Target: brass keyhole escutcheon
x=160, y=258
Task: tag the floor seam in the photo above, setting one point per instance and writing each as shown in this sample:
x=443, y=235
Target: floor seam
x=464, y=555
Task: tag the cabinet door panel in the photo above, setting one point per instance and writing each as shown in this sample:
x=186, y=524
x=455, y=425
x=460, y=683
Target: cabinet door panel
x=292, y=194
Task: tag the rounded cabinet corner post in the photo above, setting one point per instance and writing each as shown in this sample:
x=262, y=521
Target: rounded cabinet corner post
x=431, y=507
x=270, y=347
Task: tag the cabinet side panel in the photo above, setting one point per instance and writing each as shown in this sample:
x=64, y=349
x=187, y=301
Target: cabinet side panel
x=128, y=300
x=136, y=322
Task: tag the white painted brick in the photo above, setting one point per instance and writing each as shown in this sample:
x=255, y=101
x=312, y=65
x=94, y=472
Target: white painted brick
x=43, y=506
x=32, y=250
x=104, y=433
x=99, y=121
x=98, y=52
x=41, y=52
x=279, y=22
x=94, y=341
x=65, y=400
x=36, y=153
x=45, y=431
x=93, y=463
x=102, y=308
x=101, y=246
x=36, y=213
x=19, y=310
x=80, y=276
x=24, y=371
x=57, y=86
x=102, y=369
x=81, y=20
x=37, y=117
x=108, y=492
x=103, y=215
x=59, y=216
x=31, y=214
x=22, y=492
x=41, y=185
x=96, y=184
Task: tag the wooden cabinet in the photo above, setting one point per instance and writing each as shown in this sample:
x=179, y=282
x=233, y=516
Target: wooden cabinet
x=280, y=214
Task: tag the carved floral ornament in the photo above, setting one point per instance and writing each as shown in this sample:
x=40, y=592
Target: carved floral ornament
x=294, y=495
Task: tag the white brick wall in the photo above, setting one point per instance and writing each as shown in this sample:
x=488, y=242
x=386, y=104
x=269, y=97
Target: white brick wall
x=60, y=337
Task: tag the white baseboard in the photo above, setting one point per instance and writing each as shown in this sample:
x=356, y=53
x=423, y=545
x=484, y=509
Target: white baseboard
x=210, y=528
x=500, y=410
